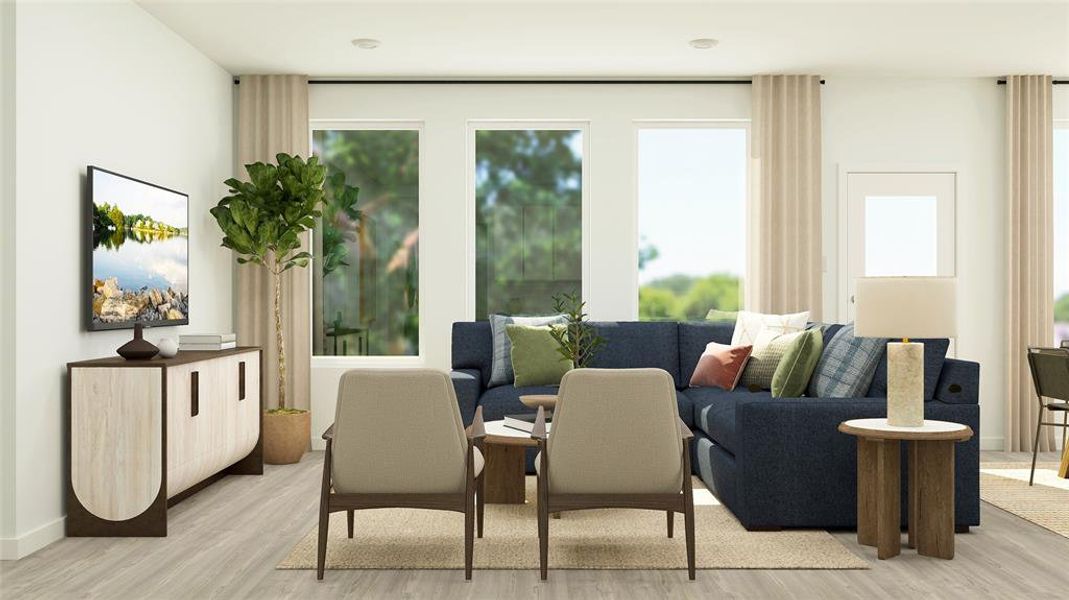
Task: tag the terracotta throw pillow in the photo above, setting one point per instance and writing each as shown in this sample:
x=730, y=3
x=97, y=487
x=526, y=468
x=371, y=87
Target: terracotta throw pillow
x=720, y=366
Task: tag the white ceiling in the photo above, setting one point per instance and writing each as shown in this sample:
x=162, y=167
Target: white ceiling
x=625, y=38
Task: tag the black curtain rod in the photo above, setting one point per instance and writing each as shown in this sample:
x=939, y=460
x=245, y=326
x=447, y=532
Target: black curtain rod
x=530, y=81
x=1053, y=81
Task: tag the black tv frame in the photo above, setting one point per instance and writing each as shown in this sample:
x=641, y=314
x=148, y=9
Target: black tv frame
x=87, y=260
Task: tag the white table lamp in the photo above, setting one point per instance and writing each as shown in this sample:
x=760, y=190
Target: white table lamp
x=905, y=307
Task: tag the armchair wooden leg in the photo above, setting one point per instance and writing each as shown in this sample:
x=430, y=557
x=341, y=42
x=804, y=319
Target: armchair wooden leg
x=349, y=519
x=671, y=522
x=688, y=509
x=469, y=528
x=480, y=502
x=321, y=550
x=543, y=514
x=324, y=515
x=543, y=540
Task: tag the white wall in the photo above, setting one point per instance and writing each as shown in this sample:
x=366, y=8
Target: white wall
x=102, y=84
x=7, y=270
x=944, y=122
x=446, y=211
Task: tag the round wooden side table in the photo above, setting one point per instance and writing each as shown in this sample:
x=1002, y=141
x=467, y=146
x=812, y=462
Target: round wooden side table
x=506, y=462
x=546, y=401
x=930, y=485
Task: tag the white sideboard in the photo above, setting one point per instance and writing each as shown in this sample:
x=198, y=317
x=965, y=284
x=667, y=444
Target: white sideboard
x=144, y=434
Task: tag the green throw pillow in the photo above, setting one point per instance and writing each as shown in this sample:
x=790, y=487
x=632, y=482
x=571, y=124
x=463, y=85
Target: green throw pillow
x=796, y=367
x=535, y=359
x=722, y=316
x=764, y=361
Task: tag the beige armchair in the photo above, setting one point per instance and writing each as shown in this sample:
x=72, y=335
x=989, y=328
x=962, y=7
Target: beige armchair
x=398, y=442
x=616, y=442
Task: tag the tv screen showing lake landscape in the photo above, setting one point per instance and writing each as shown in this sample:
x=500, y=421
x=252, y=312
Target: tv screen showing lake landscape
x=139, y=265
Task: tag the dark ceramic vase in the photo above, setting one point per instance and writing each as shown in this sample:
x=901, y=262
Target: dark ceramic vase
x=137, y=348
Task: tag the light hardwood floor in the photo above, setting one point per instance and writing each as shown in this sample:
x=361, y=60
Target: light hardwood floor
x=225, y=541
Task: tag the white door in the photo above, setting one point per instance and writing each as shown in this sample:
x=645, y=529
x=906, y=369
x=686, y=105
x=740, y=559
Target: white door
x=897, y=224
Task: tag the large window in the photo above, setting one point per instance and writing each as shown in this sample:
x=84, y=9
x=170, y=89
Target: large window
x=366, y=274
x=528, y=217
x=1061, y=232
x=691, y=220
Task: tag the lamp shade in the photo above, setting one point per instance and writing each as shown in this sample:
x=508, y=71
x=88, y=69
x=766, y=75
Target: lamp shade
x=906, y=307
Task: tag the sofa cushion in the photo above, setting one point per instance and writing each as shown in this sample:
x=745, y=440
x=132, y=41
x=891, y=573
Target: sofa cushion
x=847, y=365
x=536, y=359
x=636, y=345
x=768, y=351
x=694, y=337
x=473, y=348
x=501, y=371
x=720, y=366
x=505, y=400
x=750, y=325
x=796, y=367
x=714, y=412
x=935, y=352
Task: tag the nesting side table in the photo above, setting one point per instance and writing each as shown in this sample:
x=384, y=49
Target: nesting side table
x=931, y=485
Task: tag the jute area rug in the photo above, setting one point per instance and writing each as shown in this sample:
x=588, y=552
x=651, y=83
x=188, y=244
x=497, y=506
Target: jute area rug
x=1046, y=503
x=588, y=539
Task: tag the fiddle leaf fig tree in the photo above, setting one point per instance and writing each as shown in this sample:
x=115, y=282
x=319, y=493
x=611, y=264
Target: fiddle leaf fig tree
x=262, y=220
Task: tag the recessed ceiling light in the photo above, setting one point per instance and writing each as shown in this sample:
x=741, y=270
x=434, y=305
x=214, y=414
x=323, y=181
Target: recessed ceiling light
x=366, y=43
x=703, y=43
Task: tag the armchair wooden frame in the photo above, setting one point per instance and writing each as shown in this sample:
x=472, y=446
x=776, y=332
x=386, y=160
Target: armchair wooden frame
x=682, y=502
x=471, y=501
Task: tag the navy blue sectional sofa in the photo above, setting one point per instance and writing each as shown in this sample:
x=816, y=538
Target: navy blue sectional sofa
x=774, y=462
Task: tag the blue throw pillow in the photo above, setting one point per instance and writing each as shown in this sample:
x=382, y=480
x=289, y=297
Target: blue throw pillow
x=846, y=366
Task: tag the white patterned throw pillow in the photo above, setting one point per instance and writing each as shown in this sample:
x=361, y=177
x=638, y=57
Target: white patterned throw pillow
x=748, y=325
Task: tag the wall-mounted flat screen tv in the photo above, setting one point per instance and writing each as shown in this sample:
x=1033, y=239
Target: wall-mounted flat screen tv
x=138, y=254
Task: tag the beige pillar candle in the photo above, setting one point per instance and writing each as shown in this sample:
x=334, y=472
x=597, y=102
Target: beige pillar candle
x=905, y=384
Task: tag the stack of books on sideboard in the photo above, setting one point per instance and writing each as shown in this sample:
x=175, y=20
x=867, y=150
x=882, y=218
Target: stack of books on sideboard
x=207, y=341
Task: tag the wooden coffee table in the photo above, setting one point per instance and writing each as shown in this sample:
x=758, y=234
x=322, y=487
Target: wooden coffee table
x=506, y=463
x=931, y=485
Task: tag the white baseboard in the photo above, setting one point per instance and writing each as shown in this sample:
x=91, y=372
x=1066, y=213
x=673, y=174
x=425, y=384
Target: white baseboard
x=28, y=543
x=992, y=443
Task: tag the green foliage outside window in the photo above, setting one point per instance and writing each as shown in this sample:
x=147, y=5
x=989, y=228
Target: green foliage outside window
x=367, y=281
x=528, y=207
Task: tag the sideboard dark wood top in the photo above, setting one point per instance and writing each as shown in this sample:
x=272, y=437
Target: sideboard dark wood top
x=183, y=357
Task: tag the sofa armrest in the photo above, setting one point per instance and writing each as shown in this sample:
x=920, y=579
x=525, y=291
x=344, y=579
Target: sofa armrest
x=468, y=385
x=959, y=382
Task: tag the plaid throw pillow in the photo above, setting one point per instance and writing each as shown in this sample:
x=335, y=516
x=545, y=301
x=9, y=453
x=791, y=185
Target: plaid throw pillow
x=846, y=366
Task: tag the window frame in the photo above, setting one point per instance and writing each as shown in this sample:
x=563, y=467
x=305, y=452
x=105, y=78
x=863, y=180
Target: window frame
x=419, y=359
x=1059, y=124
x=639, y=124
x=475, y=125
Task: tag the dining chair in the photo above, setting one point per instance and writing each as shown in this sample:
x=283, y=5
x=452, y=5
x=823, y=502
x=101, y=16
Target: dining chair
x=1050, y=375
x=616, y=442
x=398, y=442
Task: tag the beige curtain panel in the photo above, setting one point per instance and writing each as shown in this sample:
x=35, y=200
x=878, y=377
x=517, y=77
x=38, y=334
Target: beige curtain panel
x=785, y=263
x=273, y=118
x=1030, y=252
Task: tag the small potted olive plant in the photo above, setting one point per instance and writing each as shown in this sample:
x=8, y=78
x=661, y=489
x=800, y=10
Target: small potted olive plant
x=262, y=221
